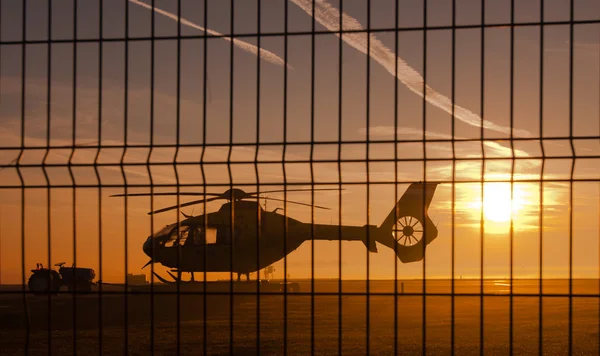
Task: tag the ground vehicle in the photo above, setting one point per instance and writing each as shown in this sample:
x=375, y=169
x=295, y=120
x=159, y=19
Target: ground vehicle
x=46, y=280
x=292, y=287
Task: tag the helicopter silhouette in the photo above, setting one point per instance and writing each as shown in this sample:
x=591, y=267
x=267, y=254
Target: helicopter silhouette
x=242, y=237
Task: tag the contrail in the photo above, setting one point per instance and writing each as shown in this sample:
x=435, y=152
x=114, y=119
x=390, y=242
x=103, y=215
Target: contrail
x=389, y=130
x=263, y=53
x=329, y=17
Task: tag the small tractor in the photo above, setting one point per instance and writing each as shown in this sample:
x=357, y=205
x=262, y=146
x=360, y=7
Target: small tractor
x=46, y=280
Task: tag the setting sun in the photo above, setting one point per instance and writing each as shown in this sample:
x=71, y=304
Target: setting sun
x=497, y=203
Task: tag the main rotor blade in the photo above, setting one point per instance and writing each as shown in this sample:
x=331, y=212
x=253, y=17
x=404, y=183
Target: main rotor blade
x=220, y=194
x=168, y=193
x=295, y=202
x=295, y=190
x=194, y=202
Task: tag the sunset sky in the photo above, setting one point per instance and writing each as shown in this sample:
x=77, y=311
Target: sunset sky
x=131, y=123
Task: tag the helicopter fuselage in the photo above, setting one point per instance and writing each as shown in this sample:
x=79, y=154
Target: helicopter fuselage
x=255, y=240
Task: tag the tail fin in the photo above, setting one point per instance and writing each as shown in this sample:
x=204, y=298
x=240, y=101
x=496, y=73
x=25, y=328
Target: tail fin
x=408, y=229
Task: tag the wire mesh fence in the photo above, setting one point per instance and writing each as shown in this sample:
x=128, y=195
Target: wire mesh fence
x=379, y=177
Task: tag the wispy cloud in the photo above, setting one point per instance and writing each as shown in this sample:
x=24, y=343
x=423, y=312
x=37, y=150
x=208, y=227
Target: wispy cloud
x=263, y=53
x=329, y=17
x=585, y=46
x=497, y=148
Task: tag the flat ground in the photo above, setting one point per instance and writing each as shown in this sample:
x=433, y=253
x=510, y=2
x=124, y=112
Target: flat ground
x=274, y=324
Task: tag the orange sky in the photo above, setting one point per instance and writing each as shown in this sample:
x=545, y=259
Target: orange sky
x=467, y=234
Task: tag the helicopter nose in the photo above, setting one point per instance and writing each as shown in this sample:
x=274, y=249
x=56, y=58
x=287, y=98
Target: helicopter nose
x=147, y=247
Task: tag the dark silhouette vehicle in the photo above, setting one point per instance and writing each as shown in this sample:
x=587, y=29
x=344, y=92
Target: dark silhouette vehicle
x=242, y=237
x=46, y=280
x=292, y=287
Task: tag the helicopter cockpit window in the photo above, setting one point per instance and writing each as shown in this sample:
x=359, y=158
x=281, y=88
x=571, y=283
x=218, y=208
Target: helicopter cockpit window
x=199, y=237
x=190, y=235
x=165, y=230
x=211, y=235
x=178, y=237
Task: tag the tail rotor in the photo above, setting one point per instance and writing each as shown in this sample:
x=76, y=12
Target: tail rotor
x=408, y=228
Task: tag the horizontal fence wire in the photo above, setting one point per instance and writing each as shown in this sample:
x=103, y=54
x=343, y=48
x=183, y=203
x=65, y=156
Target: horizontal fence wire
x=306, y=33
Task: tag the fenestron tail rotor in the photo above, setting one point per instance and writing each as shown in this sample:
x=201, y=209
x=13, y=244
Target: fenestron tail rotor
x=408, y=231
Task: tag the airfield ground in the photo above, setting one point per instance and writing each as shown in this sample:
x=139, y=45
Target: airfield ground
x=144, y=328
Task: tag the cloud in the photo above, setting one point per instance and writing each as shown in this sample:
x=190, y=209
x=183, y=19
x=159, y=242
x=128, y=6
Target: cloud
x=261, y=52
x=585, y=46
x=497, y=148
x=329, y=17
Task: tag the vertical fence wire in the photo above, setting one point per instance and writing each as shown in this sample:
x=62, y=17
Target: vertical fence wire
x=396, y=25
x=72, y=176
x=368, y=183
x=424, y=147
x=572, y=172
x=175, y=170
x=151, y=180
x=124, y=175
x=232, y=211
x=204, y=184
x=17, y=163
x=96, y=172
x=284, y=172
x=541, y=183
x=481, y=179
x=512, y=169
x=339, y=172
x=312, y=179
x=47, y=180
x=256, y=172
x=453, y=193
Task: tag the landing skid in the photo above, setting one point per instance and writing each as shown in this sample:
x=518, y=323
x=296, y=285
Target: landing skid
x=177, y=279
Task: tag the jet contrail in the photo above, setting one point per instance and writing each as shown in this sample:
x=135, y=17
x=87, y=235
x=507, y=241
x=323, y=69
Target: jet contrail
x=263, y=53
x=407, y=131
x=329, y=17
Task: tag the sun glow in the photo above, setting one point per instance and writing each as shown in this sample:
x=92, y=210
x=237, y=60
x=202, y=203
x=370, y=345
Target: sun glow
x=498, y=206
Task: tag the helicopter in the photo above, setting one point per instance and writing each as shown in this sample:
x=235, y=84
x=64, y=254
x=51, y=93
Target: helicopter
x=242, y=237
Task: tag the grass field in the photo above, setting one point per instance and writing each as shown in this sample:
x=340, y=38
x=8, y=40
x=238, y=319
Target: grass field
x=296, y=324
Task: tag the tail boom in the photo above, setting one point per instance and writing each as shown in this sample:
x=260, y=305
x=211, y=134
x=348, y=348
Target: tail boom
x=413, y=205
